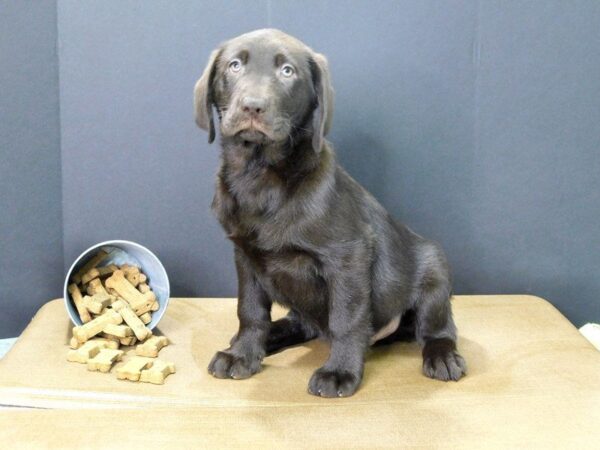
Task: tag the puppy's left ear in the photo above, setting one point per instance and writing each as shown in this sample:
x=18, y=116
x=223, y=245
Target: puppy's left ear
x=203, y=97
x=323, y=113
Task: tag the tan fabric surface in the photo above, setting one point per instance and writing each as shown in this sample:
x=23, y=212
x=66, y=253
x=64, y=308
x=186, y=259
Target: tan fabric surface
x=533, y=381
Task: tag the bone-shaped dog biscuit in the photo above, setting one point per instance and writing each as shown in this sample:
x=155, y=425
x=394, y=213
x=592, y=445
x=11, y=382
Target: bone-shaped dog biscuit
x=143, y=288
x=84, y=314
x=95, y=326
x=126, y=341
x=152, y=346
x=138, y=327
x=110, y=337
x=97, y=303
x=112, y=293
x=93, y=262
x=146, y=318
x=85, y=352
x=149, y=305
x=120, y=331
x=133, y=278
x=139, y=302
x=98, y=272
x=95, y=286
x=157, y=373
x=129, y=340
x=104, y=360
x=90, y=349
x=109, y=341
x=74, y=343
x=132, y=369
x=132, y=274
x=126, y=268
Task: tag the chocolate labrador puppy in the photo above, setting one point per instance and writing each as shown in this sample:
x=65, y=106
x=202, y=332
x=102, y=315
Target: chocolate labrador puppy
x=306, y=234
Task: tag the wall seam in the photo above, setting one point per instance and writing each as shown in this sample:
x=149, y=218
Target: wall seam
x=60, y=136
x=476, y=78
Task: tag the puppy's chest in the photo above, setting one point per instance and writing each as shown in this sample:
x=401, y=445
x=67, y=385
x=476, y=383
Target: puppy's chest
x=254, y=211
x=291, y=277
x=290, y=274
x=257, y=222
x=255, y=188
x=253, y=227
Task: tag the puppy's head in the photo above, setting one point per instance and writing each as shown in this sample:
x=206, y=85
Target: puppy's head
x=267, y=88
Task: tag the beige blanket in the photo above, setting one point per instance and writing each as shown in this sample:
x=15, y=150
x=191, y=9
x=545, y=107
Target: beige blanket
x=532, y=381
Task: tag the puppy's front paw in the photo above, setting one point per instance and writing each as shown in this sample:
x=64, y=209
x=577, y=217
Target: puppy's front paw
x=441, y=361
x=226, y=365
x=333, y=383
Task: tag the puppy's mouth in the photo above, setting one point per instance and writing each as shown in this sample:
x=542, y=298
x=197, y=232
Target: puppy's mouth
x=252, y=135
x=253, y=131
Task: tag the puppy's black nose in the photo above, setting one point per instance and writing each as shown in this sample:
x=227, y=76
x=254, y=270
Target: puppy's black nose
x=253, y=105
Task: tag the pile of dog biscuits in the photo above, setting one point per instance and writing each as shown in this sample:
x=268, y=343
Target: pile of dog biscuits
x=118, y=306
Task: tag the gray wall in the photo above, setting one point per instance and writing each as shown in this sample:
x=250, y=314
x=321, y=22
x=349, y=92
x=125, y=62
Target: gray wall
x=473, y=122
x=31, y=253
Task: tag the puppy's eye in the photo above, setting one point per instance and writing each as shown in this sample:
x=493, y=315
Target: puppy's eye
x=287, y=70
x=235, y=65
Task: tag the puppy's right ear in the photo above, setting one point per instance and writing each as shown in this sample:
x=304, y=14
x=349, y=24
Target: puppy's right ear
x=203, y=96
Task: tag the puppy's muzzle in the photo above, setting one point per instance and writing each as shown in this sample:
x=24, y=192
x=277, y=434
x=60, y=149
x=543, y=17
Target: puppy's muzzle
x=253, y=107
x=252, y=125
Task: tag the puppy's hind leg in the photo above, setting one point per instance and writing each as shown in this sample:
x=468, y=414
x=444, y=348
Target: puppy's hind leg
x=289, y=330
x=434, y=326
x=404, y=333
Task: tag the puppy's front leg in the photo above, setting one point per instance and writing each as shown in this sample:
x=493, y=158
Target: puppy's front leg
x=349, y=330
x=248, y=347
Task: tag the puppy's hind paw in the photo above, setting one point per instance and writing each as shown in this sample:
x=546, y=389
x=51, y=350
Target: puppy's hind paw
x=227, y=365
x=441, y=361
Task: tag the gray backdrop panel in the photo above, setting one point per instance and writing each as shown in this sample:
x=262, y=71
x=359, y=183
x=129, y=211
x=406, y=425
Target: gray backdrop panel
x=31, y=257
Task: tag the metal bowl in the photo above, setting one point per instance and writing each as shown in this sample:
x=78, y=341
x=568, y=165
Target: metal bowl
x=119, y=253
